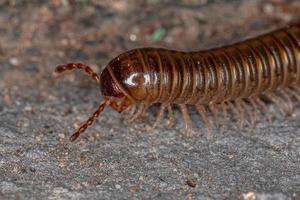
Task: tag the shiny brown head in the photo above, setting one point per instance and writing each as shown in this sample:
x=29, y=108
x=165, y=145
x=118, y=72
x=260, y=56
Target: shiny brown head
x=124, y=80
x=118, y=81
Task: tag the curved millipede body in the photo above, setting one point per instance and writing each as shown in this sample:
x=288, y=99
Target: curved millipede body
x=238, y=78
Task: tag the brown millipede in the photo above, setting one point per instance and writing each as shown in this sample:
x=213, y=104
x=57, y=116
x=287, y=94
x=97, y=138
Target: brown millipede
x=239, y=78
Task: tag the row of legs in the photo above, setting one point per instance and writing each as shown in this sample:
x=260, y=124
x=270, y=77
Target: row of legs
x=243, y=110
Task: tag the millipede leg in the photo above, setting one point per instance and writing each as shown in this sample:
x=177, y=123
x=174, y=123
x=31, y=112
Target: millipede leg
x=241, y=113
x=248, y=112
x=254, y=107
x=277, y=102
x=187, y=119
x=236, y=111
x=232, y=110
x=293, y=93
x=170, y=115
x=202, y=111
x=285, y=102
x=289, y=104
x=215, y=112
x=225, y=116
x=131, y=112
x=159, y=115
x=140, y=111
x=225, y=112
x=265, y=109
x=296, y=88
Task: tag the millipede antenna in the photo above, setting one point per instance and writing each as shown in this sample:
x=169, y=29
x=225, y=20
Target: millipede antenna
x=87, y=70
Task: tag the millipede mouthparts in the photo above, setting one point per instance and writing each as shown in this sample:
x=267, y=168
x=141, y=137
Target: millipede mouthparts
x=237, y=79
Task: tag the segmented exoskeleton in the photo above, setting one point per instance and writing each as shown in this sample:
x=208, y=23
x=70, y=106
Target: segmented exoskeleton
x=238, y=78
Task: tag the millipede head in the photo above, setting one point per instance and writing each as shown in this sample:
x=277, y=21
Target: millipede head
x=111, y=89
x=113, y=96
x=126, y=80
x=123, y=82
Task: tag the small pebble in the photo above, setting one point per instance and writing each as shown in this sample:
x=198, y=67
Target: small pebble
x=132, y=37
x=249, y=196
x=14, y=61
x=191, y=183
x=28, y=109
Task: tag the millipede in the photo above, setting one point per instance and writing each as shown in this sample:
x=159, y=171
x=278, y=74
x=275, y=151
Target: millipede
x=239, y=80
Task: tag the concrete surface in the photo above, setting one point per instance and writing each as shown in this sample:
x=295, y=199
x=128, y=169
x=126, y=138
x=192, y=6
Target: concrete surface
x=115, y=159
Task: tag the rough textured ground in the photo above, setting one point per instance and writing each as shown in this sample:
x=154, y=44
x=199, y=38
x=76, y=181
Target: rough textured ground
x=115, y=159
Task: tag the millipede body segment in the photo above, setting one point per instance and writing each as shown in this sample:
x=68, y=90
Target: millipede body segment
x=236, y=79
